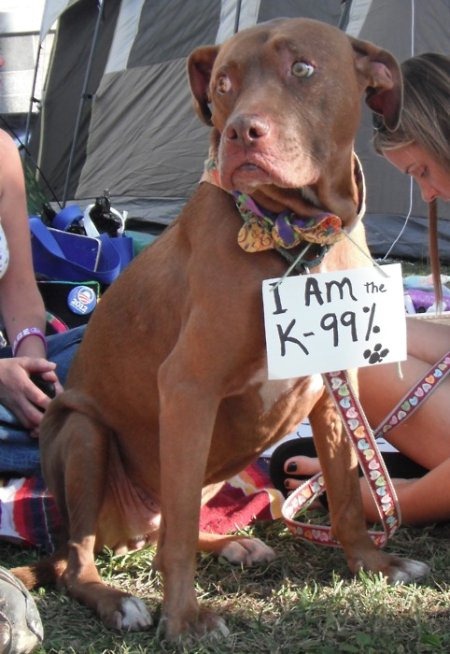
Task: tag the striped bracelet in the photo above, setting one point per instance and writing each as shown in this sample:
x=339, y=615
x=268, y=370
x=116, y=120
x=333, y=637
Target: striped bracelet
x=25, y=333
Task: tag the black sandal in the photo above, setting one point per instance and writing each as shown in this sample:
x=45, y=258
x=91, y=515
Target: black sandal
x=303, y=446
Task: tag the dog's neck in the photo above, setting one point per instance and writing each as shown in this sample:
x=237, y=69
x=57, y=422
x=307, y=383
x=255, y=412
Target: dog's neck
x=265, y=229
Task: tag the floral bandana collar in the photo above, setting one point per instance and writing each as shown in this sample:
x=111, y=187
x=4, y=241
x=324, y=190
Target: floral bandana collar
x=263, y=230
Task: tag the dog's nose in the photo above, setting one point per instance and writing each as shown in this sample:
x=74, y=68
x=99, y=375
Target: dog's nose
x=247, y=128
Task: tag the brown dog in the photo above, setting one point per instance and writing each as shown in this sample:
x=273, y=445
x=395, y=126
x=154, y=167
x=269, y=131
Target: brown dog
x=168, y=393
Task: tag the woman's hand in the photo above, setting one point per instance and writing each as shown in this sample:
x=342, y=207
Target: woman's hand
x=20, y=395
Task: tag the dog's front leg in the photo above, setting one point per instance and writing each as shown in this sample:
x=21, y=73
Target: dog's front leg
x=188, y=408
x=340, y=469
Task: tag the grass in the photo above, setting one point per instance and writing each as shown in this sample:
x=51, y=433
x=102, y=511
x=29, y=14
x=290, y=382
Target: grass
x=304, y=601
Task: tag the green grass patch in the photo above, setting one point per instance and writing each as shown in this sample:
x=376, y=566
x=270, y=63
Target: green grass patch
x=304, y=601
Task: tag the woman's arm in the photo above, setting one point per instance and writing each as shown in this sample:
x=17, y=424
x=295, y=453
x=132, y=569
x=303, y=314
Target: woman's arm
x=21, y=304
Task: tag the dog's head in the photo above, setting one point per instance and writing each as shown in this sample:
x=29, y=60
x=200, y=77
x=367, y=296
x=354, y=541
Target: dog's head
x=284, y=98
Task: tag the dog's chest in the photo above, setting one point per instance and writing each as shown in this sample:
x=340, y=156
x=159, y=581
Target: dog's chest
x=273, y=391
x=252, y=420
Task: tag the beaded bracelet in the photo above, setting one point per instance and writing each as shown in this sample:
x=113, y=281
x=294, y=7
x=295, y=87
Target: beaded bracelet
x=21, y=336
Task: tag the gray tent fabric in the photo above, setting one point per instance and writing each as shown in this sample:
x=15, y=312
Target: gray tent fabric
x=52, y=136
x=140, y=138
x=163, y=145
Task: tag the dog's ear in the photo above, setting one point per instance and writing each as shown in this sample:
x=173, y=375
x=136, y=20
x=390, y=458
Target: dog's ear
x=384, y=86
x=200, y=64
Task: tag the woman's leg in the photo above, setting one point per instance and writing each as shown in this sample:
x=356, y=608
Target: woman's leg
x=422, y=501
x=61, y=349
x=425, y=436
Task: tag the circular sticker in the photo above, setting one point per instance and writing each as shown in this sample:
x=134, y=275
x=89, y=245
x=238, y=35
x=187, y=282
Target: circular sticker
x=82, y=300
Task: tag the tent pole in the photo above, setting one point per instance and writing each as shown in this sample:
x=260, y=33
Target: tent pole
x=82, y=100
x=345, y=11
x=33, y=100
x=237, y=16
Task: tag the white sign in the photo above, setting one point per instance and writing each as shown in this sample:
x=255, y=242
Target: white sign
x=334, y=321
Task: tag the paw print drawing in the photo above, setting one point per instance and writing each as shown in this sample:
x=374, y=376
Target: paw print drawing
x=377, y=355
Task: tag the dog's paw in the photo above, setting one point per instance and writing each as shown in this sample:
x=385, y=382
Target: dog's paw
x=205, y=624
x=396, y=569
x=247, y=551
x=407, y=571
x=130, y=615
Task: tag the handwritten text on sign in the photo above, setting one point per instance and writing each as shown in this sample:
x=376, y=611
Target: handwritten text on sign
x=334, y=321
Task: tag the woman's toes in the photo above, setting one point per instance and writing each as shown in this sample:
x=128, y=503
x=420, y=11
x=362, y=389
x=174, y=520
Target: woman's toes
x=302, y=465
x=291, y=484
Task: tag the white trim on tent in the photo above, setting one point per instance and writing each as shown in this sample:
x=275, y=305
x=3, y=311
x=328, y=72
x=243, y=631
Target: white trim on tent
x=124, y=35
x=249, y=13
x=248, y=16
x=357, y=17
x=227, y=20
x=52, y=10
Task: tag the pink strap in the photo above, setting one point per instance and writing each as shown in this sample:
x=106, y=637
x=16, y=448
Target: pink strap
x=369, y=456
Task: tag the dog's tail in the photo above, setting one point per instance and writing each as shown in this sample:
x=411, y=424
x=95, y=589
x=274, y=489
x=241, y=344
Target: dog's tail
x=71, y=400
x=44, y=572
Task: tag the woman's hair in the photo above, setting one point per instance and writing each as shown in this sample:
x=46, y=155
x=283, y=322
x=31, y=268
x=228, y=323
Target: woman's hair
x=425, y=118
x=424, y=121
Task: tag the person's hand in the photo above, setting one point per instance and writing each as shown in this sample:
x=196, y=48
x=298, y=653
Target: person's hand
x=20, y=395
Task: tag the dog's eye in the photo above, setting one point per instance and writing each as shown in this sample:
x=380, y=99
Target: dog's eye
x=302, y=69
x=223, y=84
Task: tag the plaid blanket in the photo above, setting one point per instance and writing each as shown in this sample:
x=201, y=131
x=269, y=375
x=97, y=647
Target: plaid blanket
x=28, y=514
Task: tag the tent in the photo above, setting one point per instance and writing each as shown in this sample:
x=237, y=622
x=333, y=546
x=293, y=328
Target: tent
x=117, y=114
